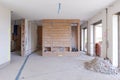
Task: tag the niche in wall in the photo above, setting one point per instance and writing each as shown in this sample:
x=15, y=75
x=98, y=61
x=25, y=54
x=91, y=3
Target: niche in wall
x=60, y=37
x=74, y=36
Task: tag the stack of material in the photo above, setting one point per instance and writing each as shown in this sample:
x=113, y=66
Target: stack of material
x=101, y=65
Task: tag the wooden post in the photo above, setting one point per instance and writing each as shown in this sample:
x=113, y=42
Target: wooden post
x=22, y=37
x=79, y=43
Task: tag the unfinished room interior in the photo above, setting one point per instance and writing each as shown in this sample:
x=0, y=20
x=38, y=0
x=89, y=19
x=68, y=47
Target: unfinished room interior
x=60, y=39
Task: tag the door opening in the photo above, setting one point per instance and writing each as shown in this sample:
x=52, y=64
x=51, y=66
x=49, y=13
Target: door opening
x=74, y=33
x=98, y=38
x=84, y=39
x=17, y=37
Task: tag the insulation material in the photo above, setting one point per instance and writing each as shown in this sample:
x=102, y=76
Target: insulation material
x=101, y=65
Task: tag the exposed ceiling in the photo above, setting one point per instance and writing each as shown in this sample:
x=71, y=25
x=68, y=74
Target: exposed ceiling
x=48, y=9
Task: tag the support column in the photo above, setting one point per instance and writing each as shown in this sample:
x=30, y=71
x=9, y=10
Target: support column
x=79, y=41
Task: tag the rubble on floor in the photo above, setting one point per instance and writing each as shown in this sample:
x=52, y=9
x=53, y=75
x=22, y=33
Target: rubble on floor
x=101, y=65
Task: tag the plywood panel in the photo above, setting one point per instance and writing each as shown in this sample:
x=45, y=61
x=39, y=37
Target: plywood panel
x=61, y=21
x=57, y=34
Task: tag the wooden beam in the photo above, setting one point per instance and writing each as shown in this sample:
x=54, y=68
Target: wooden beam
x=79, y=40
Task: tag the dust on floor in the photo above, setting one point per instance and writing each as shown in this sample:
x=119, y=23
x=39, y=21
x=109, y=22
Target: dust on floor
x=53, y=68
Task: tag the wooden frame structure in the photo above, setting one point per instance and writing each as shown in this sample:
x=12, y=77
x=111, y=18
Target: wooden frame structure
x=57, y=37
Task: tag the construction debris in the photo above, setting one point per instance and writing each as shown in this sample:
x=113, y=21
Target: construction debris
x=101, y=65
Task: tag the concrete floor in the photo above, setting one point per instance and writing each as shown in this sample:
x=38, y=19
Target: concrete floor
x=52, y=68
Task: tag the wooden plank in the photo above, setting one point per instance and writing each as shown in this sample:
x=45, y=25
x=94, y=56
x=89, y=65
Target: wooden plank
x=61, y=20
x=23, y=37
x=79, y=44
x=57, y=33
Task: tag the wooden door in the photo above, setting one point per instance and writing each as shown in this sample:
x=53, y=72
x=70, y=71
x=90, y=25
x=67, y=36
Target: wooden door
x=39, y=33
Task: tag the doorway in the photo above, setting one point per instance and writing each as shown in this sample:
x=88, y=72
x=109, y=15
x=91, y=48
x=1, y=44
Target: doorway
x=98, y=38
x=74, y=37
x=18, y=37
x=84, y=39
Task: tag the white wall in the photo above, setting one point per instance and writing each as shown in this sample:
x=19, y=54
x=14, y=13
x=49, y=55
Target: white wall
x=119, y=44
x=107, y=20
x=115, y=8
x=96, y=18
x=5, y=35
x=27, y=47
x=115, y=40
x=31, y=37
x=90, y=41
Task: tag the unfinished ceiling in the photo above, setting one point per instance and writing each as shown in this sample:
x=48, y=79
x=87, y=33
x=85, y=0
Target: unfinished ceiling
x=48, y=9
